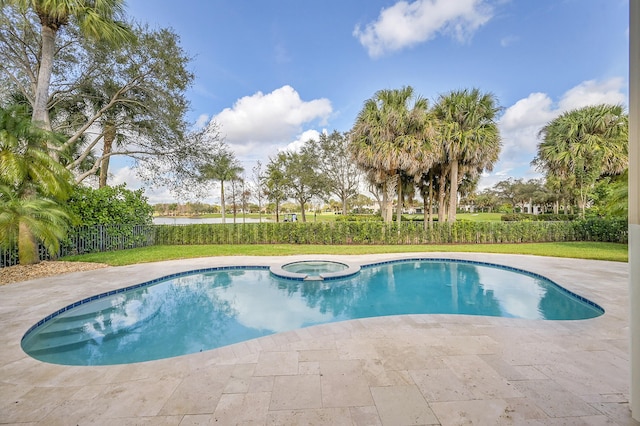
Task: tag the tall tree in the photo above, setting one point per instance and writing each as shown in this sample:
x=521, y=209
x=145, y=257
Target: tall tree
x=223, y=167
x=134, y=93
x=258, y=186
x=302, y=176
x=97, y=20
x=33, y=187
x=584, y=144
x=276, y=187
x=469, y=135
x=137, y=98
x=342, y=175
x=388, y=138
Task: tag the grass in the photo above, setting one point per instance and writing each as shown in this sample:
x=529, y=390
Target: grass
x=480, y=217
x=582, y=250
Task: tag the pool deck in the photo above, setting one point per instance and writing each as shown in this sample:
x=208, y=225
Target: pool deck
x=401, y=370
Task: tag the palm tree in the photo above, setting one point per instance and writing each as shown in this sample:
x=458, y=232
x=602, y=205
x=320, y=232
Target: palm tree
x=584, y=144
x=98, y=20
x=275, y=182
x=32, y=186
x=469, y=135
x=223, y=167
x=388, y=138
x=34, y=220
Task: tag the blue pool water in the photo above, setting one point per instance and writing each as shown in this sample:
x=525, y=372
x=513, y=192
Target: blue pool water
x=195, y=312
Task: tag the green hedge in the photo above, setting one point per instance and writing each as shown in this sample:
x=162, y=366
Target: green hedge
x=118, y=237
x=370, y=232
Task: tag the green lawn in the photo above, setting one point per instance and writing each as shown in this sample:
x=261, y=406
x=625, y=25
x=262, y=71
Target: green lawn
x=583, y=250
x=480, y=217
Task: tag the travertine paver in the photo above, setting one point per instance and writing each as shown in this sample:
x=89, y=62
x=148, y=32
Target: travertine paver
x=296, y=392
x=402, y=405
x=413, y=369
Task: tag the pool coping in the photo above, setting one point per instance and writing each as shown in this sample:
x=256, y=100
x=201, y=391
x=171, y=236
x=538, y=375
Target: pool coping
x=583, y=364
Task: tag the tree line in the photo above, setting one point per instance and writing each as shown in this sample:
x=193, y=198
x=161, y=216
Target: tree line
x=401, y=149
x=397, y=145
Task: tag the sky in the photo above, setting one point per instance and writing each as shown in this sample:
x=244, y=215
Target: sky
x=274, y=73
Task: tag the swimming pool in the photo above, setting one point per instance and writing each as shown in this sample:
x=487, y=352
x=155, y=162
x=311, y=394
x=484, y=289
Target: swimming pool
x=206, y=309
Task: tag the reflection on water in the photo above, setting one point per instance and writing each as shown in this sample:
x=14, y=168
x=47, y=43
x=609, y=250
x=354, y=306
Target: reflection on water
x=198, y=312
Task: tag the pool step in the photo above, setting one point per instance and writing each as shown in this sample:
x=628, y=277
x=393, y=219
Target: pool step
x=89, y=310
x=57, y=338
x=68, y=343
x=62, y=329
x=79, y=321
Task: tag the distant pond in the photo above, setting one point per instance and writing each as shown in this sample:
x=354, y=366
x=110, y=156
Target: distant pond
x=195, y=220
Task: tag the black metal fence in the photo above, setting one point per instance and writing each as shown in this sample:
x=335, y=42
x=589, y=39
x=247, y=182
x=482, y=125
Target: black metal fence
x=90, y=239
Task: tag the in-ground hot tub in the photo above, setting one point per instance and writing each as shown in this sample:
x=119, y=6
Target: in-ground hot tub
x=317, y=270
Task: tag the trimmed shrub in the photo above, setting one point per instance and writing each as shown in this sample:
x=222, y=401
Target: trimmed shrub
x=359, y=218
x=546, y=217
x=373, y=232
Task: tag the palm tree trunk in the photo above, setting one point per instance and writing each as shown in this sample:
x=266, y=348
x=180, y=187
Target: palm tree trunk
x=27, y=246
x=425, y=213
x=40, y=116
x=390, y=188
x=431, y=182
x=109, y=137
x=222, y=206
x=400, y=200
x=453, y=191
x=441, y=197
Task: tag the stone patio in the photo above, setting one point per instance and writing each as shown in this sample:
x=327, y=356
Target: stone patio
x=401, y=370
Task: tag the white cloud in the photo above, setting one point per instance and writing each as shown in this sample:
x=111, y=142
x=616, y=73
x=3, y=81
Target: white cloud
x=202, y=121
x=258, y=123
x=594, y=92
x=405, y=24
x=521, y=123
x=307, y=135
x=128, y=175
x=532, y=110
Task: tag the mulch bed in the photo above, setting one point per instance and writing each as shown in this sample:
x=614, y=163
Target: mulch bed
x=13, y=274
